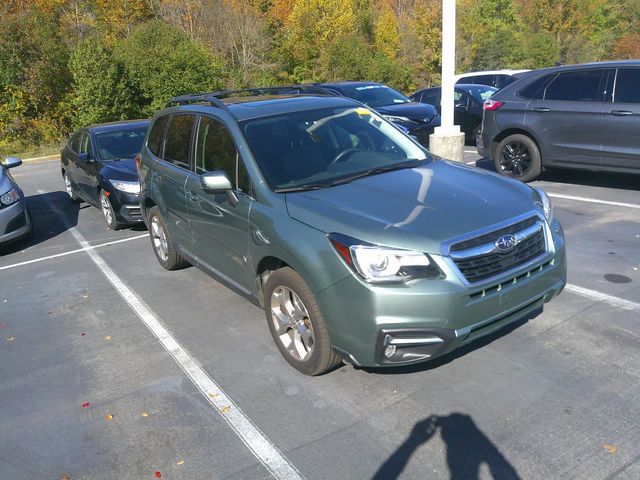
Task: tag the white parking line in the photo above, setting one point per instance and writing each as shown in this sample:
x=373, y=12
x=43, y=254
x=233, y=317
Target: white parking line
x=256, y=441
x=593, y=200
x=603, y=297
x=71, y=252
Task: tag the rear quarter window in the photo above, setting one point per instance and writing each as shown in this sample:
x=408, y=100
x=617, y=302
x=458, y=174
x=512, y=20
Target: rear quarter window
x=156, y=135
x=535, y=90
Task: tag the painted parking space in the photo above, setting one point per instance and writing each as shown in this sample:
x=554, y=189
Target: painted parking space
x=552, y=398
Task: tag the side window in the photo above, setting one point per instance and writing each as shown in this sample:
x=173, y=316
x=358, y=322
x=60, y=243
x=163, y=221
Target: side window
x=535, y=90
x=461, y=98
x=581, y=86
x=430, y=98
x=489, y=80
x=215, y=150
x=503, y=80
x=627, y=89
x=74, y=142
x=85, y=144
x=156, y=135
x=178, y=142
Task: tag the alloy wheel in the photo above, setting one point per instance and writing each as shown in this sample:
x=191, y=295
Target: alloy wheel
x=107, y=211
x=515, y=159
x=159, y=239
x=291, y=323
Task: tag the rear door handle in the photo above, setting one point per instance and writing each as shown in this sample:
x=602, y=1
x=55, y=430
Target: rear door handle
x=620, y=113
x=541, y=109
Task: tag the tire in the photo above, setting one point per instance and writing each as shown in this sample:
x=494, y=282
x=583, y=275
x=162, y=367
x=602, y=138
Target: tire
x=161, y=242
x=69, y=187
x=107, y=212
x=517, y=156
x=288, y=302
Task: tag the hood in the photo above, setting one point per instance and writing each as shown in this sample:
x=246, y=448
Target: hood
x=418, y=112
x=415, y=209
x=120, y=170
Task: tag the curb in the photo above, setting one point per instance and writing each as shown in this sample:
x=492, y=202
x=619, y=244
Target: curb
x=46, y=158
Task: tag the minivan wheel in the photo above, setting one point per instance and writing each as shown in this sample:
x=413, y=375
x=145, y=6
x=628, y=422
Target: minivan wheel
x=161, y=242
x=107, y=212
x=518, y=156
x=296, y=323
x=69, y=187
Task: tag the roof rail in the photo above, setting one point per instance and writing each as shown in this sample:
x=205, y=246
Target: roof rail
x=197, y=98
x=278, y=90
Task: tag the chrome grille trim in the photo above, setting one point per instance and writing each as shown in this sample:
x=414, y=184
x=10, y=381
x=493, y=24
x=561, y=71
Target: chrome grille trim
x=489, y=248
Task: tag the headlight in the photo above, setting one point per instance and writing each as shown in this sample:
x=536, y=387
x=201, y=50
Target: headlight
x=382, y=264
x=545, y=204
x=128, y=187
x=394, y=118
x=12, y=196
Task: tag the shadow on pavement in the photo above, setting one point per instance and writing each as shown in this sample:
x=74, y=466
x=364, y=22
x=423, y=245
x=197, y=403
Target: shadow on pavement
x=46, y=210
x=449, y=357
x=579, y=177
x=467, y=449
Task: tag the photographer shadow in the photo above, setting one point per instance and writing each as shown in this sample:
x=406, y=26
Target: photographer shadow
x=467, y=449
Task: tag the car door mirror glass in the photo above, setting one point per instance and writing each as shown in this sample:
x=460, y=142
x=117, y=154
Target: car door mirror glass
x=216, y=181
x=11, y=162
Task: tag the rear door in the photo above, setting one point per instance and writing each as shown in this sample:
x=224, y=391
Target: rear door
x=220, y=229
x=85, y=173
x=621, y=127
x=170, y=176
x=567, y=120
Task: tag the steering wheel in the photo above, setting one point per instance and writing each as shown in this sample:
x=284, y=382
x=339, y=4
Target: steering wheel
x=342, y=156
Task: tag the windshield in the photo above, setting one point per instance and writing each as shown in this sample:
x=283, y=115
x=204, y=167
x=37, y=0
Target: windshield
x=480, y=92
x=375, y=95
x=324, y=147
x=118, y=144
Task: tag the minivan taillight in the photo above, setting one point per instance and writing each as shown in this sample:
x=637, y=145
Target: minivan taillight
x=491, y=105
x=138, y=160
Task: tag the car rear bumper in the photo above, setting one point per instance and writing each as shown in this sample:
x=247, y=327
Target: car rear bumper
x=425, y=319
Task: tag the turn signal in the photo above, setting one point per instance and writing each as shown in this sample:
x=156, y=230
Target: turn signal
x=138, y=160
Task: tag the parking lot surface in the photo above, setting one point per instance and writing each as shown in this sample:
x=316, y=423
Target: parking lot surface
x=111, y=367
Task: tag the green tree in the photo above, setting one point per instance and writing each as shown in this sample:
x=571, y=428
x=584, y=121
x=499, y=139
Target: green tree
x=101, y=90
x=161, y=62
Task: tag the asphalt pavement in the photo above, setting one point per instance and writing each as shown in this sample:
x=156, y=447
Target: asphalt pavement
x=111, y=367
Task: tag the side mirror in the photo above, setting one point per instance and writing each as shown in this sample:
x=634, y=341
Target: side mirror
x=11, y=162
x=216, y=182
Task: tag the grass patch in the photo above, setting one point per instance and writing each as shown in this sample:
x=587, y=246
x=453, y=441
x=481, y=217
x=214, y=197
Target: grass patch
x=28, y=151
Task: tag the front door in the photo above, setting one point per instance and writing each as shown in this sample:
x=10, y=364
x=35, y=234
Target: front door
x=568, y=119
x=219, y=227
x=86, y=173
x=621, y=126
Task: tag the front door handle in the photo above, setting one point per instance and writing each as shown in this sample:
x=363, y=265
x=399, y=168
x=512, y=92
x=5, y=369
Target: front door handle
x=620, y=113
x=541, y=109
x=193, y=196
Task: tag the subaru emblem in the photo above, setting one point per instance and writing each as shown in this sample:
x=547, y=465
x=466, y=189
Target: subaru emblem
x=506, y=243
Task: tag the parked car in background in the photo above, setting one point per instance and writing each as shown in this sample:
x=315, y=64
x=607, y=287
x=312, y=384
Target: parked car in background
x=418, y=120
x=577, y=116
x=15, y=221
x=493, y=78
x=468, y=103
x=325, y=214
x=98, y=166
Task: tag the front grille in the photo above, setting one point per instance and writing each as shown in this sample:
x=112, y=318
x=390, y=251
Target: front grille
x=17, y=223
x=477, y=259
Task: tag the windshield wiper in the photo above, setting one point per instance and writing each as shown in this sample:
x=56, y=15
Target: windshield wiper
x=374, y=171
x=302, y=188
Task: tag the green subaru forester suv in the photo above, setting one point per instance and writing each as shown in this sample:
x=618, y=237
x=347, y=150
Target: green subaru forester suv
x=358, y=243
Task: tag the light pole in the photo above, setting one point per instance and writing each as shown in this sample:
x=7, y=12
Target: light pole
x=447, y=140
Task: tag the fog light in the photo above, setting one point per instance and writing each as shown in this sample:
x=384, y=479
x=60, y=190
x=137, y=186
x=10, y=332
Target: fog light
x=390, y=351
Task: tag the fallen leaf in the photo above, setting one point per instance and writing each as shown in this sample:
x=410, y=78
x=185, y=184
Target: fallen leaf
x=82, y=334
x=181, y=462
x=214, y=395
x=108, y=337
x=10, y=339
x=3, y=325
x=85, y=404
x=225, y=409
x=610, y=448
x=108, y=417
x=158, y=474
x=66, y=476
x=145, y=414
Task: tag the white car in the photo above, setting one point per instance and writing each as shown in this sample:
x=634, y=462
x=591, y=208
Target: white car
x=493, y=78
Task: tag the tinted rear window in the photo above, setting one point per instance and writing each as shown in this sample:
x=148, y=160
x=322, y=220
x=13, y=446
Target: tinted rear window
x=178, y=142
x=627, y=86
x=535, y=89
x=156, y=135
x=581, y=86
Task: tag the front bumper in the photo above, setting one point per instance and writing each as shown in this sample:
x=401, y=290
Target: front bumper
x=15, y=222
x=425, y=319
x=126, y=206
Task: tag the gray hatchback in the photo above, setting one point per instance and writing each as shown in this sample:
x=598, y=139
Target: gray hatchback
x=15, y=221
x=576, y=116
